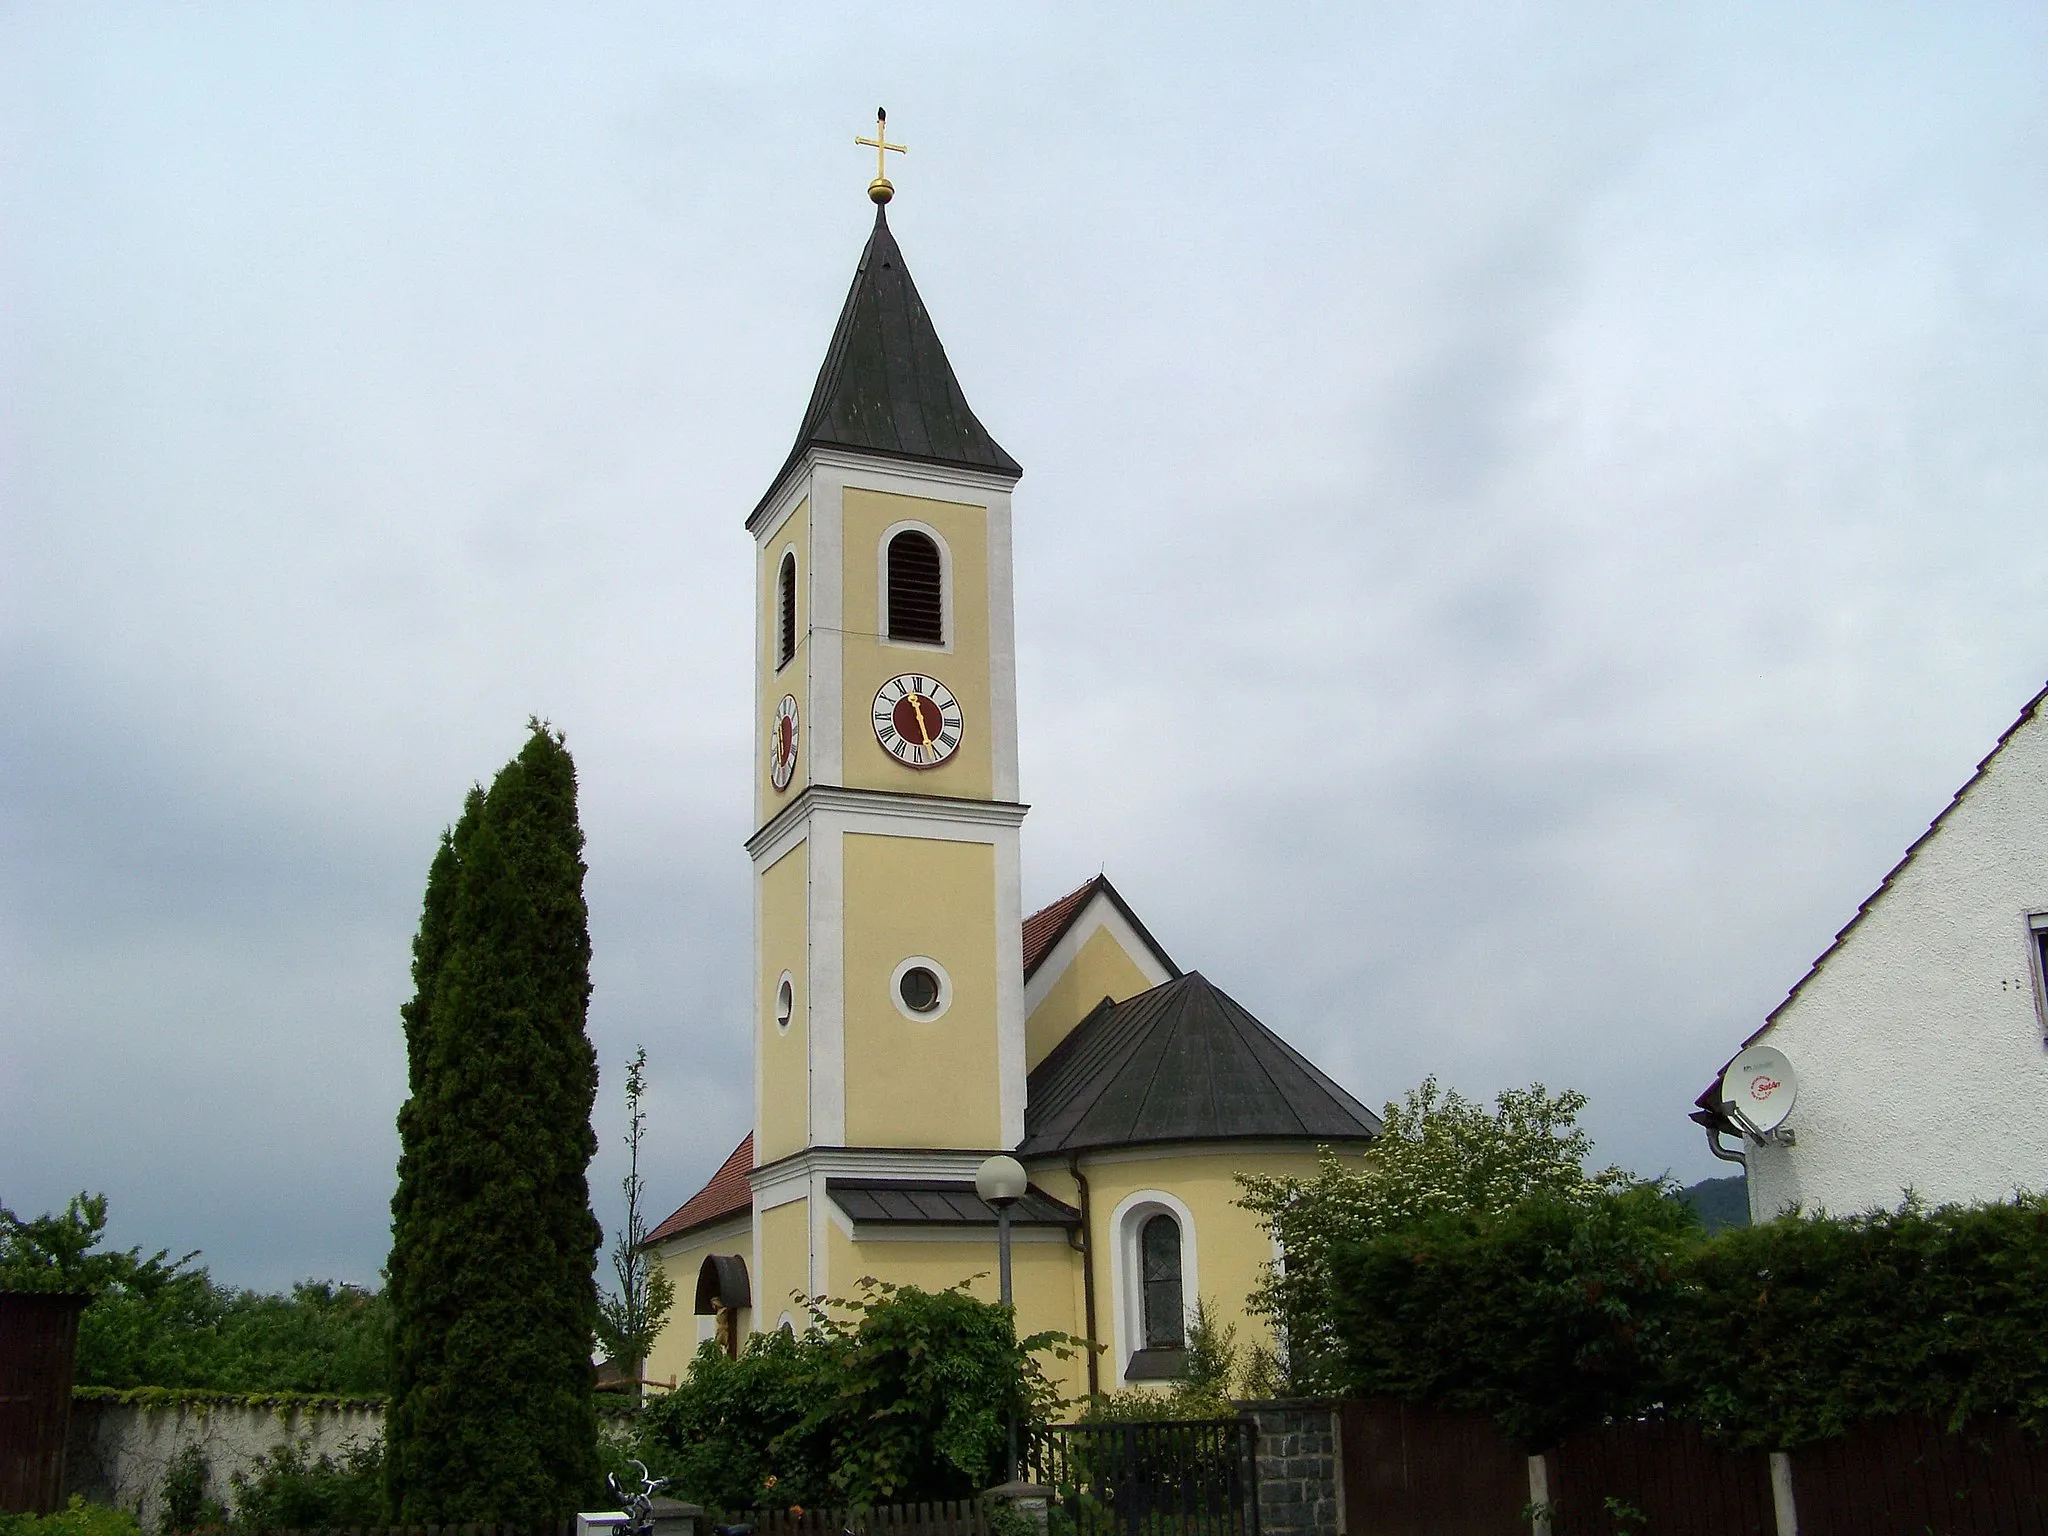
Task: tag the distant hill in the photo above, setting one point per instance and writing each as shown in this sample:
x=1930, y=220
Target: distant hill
x=1719, y=1202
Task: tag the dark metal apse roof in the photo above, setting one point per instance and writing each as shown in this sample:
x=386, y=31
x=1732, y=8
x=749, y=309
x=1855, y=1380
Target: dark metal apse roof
x=1182, y=1062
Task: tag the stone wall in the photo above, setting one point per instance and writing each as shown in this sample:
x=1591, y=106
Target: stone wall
x=1300, y=1466
x=118, y=1451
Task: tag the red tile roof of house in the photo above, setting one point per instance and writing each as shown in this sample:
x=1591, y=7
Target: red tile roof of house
x=727, y=1194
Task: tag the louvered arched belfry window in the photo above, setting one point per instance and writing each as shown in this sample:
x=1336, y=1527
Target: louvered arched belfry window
x=785, y=611
x=1159, y=1254
x=917, y=598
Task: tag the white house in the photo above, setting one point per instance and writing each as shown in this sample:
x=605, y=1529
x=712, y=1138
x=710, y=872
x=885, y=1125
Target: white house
x=1920, y=1037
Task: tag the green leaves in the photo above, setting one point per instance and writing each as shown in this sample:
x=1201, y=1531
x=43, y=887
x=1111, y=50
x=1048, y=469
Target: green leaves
x=1439, y=1154
x=159, y=1322
x=1552, y=1314
x=1793, y=1329
x=898, y=1394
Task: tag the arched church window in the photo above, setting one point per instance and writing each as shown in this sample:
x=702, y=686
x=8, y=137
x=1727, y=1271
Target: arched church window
x=1159, y=1257
x=916, y=589
x=785, y=611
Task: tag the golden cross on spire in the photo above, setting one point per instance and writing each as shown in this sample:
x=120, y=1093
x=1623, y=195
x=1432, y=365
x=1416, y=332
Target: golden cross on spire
x=879, y=189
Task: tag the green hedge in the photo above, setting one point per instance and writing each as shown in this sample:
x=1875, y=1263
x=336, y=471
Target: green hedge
x=77, y=1519
x=1557, y=1314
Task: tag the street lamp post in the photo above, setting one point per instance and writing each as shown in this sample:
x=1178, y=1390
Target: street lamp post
x=1001, y=1182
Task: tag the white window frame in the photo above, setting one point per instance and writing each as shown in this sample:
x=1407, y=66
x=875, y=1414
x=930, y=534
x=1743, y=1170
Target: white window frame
x=945, y=645
x=2037, y=963
x=1127, y=1269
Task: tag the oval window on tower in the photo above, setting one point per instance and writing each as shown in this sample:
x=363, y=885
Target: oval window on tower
x=917, y=598
x=785, y=1003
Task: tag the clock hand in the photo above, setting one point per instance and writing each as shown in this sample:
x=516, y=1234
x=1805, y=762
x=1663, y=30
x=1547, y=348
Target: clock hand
x=917, y=709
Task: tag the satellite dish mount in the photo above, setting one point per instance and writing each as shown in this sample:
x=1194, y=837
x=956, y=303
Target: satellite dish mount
x=1758, y=1091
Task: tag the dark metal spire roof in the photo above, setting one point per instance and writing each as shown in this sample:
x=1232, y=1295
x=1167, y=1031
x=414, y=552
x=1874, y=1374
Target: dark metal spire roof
x=886, y=386
x=1182, y=1062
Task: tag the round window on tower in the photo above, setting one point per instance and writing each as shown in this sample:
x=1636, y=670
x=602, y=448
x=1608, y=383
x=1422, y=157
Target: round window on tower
x=785, y=1003
x=921, y=989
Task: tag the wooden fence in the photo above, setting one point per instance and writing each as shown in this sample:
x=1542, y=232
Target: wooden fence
x=38, y=1344
x=950, y=1517
x=1412, y=1472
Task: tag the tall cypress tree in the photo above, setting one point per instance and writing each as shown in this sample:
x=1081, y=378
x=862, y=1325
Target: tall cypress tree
x=494, y=1247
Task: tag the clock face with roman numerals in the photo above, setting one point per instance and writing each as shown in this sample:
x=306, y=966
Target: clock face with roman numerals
x=917, y=720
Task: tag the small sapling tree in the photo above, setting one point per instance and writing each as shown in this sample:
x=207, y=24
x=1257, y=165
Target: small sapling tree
x=629, y=1322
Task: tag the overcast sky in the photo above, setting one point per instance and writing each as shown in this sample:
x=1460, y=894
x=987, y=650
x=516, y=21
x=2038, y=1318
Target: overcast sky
x=1528, y=511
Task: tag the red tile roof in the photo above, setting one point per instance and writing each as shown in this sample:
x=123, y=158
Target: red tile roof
x=1042, y=929
x=727, y=1194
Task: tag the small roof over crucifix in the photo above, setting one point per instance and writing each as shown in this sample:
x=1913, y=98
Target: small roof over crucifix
x=879, y=189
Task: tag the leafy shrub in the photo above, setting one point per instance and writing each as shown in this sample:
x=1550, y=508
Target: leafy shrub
x=77, y=1518
x=1790, y=1331
x=288, y=1490
x=184, y=1500
x=1551, y=1315
x=1218, y=1372
x=160, y=1322
x=899, y=1394
x=1560, y=1313
x=1439, y=1154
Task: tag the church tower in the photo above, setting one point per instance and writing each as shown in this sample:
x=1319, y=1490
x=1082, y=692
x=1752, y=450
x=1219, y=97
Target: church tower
x=889, y=991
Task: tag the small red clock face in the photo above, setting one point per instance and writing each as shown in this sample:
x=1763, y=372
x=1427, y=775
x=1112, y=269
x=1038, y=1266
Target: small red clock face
x=782, y=736
x=917, y=720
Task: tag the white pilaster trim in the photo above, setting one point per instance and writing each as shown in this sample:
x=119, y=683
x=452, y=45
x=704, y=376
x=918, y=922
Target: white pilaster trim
x=827, y=964
x=1099, y=913
x=1126, y=1273
x=1010, y=1009
x=827, y=636
x=1002, y=650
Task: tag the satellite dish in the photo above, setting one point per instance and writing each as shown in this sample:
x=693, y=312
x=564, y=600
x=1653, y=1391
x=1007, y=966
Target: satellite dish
x=1759, y=1089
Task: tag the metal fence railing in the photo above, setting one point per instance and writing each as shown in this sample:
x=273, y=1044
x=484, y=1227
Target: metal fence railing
x=1169, y=1477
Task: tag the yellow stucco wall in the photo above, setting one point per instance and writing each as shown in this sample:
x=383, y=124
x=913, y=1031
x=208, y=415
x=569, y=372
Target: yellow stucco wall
x=1230, y=1247
x=785, y=1264
x=792, y=678
x=680, y=1261
x=871, y=661
x=1102, y=969
x=784, y=1103
x=914, y=1082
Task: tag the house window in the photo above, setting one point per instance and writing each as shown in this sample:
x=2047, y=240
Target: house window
x=1165, y=1321
x=2037, y=930
x=785, y=611
x=916, y=590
